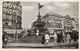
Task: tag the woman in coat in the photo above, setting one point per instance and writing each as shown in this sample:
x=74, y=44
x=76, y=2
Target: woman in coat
x=55, y=37
x=47, y=38
x=68, y=38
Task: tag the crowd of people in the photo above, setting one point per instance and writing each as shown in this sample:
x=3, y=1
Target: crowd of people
x=58, y=38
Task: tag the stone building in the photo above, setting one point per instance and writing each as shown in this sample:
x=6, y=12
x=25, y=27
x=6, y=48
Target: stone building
x=75, y=24
x=57, y=23
x=68, y=26
x=11, y=16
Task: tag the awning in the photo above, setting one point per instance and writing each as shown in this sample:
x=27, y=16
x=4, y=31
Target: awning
x=12, y=31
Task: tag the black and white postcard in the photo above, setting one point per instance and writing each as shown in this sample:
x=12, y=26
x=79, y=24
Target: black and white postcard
x=40, y=25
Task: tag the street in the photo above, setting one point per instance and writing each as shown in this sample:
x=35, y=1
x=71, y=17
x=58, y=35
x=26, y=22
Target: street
x=39, y=45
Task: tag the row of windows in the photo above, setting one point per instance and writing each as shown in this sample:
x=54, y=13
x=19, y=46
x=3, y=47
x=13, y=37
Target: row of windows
x=11, y=17
x=53, y=18
x=5, y=16
x=53, y=25
x=11, y=24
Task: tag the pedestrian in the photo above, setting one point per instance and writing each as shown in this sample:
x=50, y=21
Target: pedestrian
x=68, y=38
x=6, y=39
x=43, y=39
x=64, y=37
x=55, y=38
x=3, y=38
x=59, y=38
x=9, y=39
x=47, y=38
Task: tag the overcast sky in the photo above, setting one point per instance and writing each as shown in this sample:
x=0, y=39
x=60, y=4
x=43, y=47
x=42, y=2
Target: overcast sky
x=30, y=10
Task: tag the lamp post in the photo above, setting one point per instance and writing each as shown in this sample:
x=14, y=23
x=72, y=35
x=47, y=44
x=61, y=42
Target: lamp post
x=3, y=35
x=16, y=30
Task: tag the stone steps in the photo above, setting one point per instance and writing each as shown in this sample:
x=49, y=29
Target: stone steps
x=30, y=39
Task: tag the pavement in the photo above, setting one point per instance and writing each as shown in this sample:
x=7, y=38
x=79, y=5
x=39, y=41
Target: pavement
x=20, y=44
x=39, y=45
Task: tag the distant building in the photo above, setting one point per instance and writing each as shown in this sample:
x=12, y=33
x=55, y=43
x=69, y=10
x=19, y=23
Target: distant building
x=11, y=16
x=75, y=24
x=57, y=23
x=68, y=23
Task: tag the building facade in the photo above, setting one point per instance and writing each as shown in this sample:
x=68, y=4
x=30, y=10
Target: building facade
x=75, y=24
x=11, y=16
x=68, y=26
x=57, y=23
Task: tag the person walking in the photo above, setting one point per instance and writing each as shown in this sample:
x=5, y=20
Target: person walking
x=43, y=39
x=55, y=38
x=59, y=38
x=6, y=39
x=47, y=38
x=68, y=38
x=64, y=38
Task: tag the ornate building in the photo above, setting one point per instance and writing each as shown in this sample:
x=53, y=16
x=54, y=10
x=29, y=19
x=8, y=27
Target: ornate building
x=75, y=24
x=11, y=16
x=68, y=23
x=57, y=23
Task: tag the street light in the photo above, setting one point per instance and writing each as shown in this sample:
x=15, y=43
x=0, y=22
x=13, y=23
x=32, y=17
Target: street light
x=16, y=30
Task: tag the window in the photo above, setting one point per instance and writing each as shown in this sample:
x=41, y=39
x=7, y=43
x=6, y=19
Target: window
x=6, y=24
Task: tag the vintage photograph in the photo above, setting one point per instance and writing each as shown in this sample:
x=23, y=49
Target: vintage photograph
x=53, y=25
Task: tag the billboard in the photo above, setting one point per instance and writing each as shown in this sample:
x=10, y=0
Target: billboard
x=12, y=8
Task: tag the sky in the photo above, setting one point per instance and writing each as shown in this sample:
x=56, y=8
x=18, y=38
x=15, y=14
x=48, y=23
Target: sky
x=30, y=10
